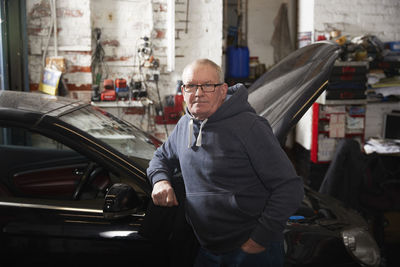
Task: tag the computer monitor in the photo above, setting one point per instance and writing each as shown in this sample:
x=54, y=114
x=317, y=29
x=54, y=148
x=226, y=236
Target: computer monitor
x=391, y=125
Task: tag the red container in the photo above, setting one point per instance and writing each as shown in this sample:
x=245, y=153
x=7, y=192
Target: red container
x=108, y=95
x=108, y=84
x=120, y=83
x=178, y=102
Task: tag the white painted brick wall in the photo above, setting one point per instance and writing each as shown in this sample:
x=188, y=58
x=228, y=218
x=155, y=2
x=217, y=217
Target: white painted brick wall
x=73, y=37
x=359, y=17
x=204, y=32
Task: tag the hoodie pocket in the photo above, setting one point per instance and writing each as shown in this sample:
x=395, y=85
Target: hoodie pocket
x=215, y=211
x=251, y=206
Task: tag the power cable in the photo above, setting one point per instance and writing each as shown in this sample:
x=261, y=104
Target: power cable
x=161, y=105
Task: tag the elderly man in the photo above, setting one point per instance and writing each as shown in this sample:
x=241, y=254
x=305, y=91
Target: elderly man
x=240, y=185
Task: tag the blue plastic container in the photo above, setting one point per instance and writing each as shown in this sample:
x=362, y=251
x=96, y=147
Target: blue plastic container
x=296, y=218
x=238, y=62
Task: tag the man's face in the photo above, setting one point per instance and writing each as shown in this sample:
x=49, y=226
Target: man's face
x=203, y=104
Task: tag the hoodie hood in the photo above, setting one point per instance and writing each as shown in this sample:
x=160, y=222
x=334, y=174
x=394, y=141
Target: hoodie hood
x=235, y=103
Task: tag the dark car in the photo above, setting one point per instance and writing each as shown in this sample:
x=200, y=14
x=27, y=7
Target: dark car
x=74, y=191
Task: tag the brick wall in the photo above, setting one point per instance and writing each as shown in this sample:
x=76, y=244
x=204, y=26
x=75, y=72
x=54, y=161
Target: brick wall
x=356, y=18
x=203, y=35
x=74, y=40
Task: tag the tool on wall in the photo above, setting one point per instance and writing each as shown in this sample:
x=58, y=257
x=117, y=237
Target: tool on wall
x=145, y=49
x=144, y=59
x=96, y=96
x=161, y=109
x=145, y=54
x=99, y=67
x=148, y=71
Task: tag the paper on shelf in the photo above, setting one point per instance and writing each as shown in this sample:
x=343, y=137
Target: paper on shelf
x=337, y=125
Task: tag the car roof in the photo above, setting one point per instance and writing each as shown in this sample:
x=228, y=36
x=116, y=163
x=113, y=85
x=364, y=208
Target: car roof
x=37, y=102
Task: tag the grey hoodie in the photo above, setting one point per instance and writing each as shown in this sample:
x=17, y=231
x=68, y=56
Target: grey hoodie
x=239, y=182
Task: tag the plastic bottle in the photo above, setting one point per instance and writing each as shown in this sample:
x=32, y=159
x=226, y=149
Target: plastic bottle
x=238, y=62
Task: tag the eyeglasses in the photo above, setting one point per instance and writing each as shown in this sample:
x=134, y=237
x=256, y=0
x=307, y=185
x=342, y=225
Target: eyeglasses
x=208, y=88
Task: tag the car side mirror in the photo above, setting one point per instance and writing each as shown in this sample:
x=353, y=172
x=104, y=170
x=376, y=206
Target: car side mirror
x=120, y=201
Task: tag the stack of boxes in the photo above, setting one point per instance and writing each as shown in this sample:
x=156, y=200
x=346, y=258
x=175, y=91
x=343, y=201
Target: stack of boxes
x=121, y=88
x=340, y=111
x=348, y=81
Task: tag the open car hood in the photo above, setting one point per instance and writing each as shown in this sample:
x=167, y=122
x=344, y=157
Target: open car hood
x=283, y=94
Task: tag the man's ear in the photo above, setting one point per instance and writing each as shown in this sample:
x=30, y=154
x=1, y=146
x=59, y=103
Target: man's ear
x=225, y=89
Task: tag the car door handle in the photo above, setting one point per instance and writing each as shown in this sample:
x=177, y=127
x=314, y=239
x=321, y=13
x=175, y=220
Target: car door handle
x=78, y=172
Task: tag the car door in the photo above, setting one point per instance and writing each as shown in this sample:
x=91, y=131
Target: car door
x=46, y=212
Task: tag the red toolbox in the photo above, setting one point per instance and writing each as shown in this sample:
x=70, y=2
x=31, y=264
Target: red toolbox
x=120, y=83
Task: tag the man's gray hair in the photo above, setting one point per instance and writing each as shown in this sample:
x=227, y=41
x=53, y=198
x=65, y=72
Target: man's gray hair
x=204, y=61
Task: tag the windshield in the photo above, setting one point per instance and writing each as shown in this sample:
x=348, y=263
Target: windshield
x=121, y=135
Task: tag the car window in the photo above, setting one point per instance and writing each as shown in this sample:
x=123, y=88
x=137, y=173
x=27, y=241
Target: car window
x=119, y=134
x=39, y=167
x=22, y=137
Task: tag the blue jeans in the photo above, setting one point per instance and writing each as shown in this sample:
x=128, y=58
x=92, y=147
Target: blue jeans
x=273, y=256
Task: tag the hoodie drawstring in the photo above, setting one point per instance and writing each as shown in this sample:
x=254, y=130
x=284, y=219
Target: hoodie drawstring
x=198, y=141
x=190, y=132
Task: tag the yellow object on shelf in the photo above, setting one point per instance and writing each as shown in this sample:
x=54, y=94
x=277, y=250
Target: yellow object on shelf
x=49, y=82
